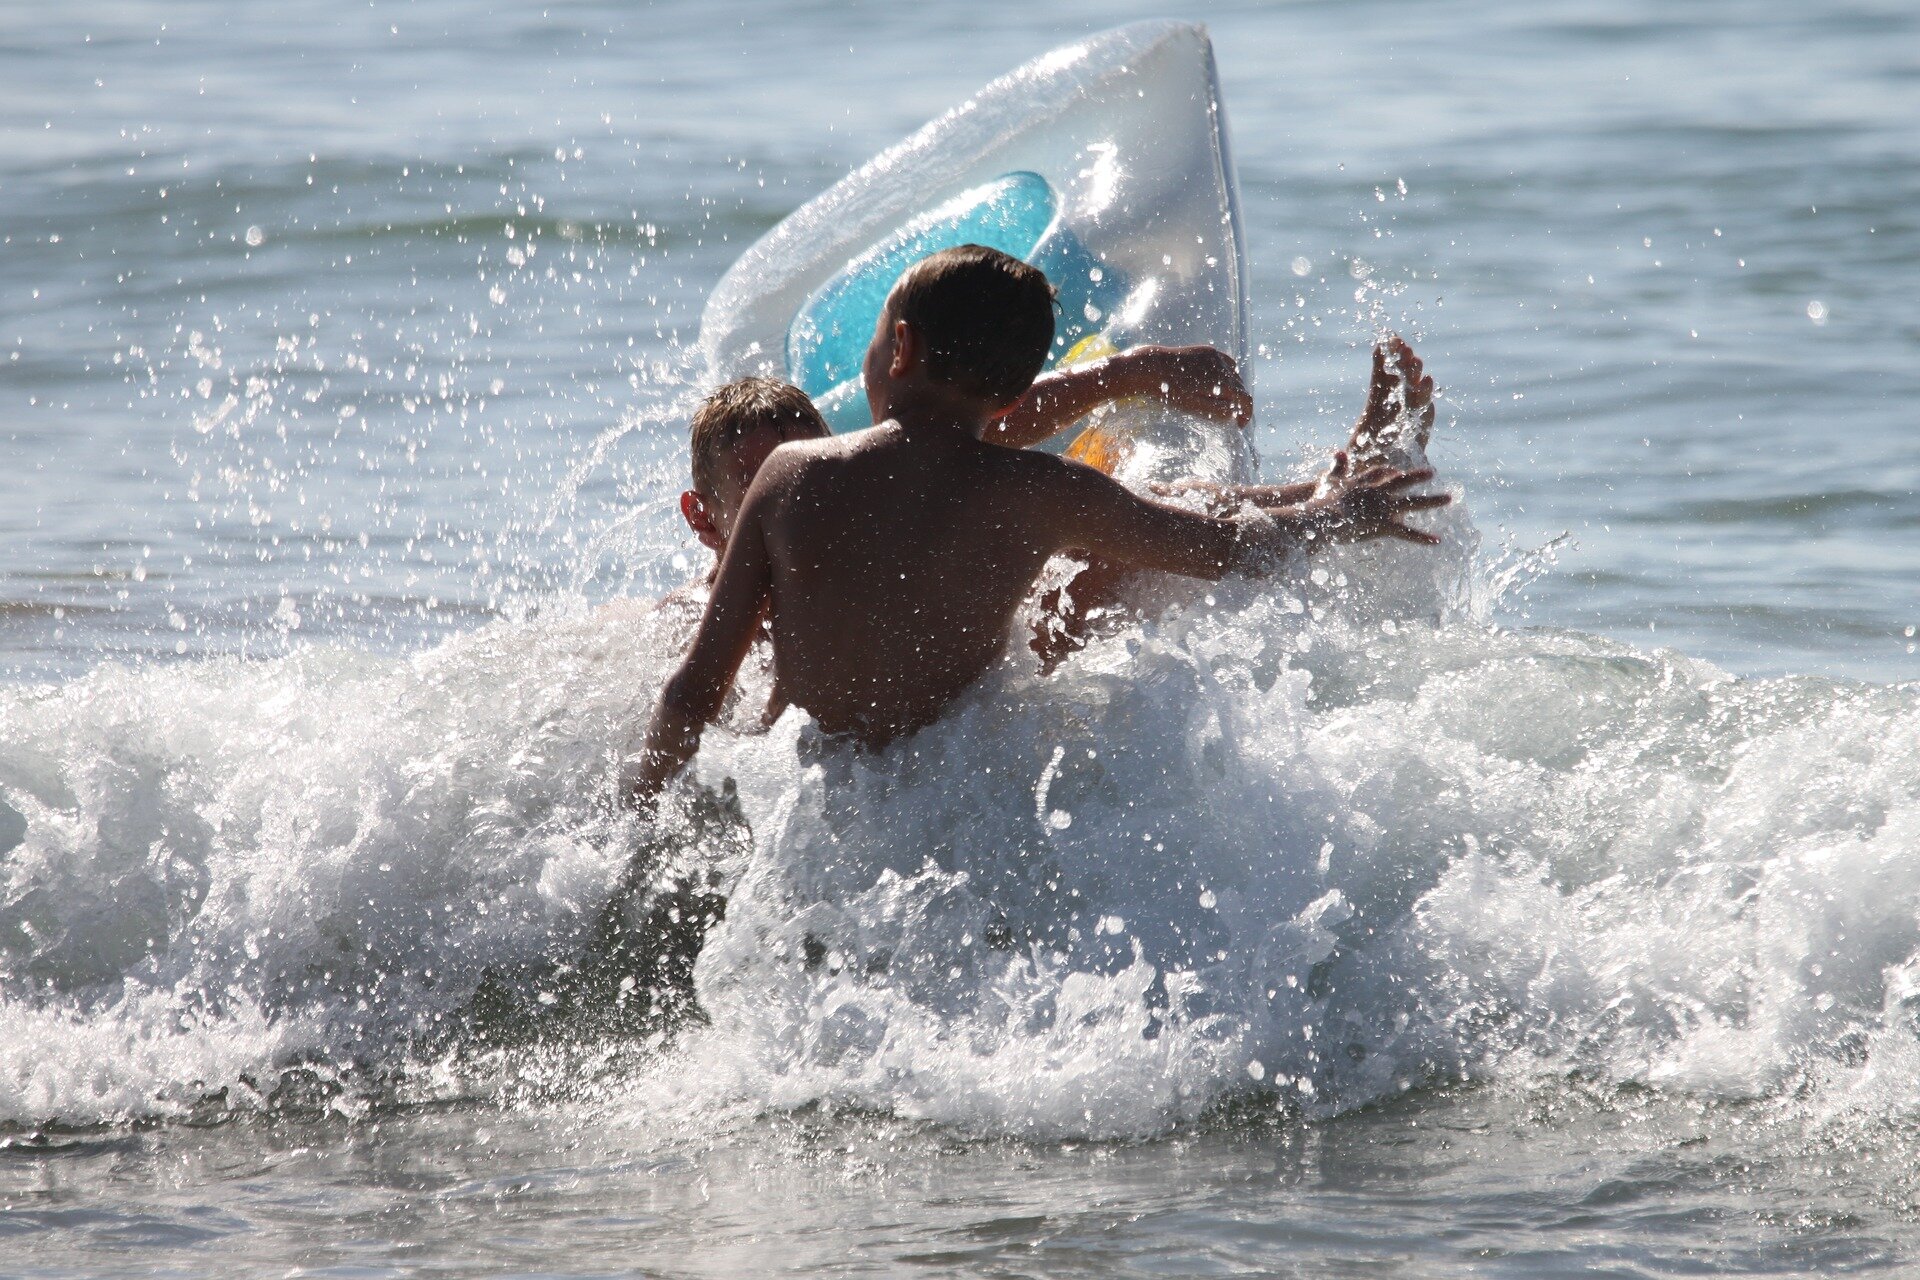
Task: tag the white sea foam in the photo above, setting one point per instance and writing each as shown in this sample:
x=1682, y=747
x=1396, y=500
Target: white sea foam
x=233, y=865
x=1286, y=847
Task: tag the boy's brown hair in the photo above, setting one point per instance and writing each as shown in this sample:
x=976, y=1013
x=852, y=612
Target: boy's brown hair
x=986, y=317
x=741, y=407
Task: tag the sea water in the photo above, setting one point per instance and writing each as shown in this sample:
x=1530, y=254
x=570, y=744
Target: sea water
x=1544, y=905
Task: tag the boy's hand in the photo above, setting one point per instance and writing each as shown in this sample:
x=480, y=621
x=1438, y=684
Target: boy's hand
x=1374, y=503
x=1196, y=380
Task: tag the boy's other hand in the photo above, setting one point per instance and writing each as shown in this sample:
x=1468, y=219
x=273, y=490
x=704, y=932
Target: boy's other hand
x=1375, y=503
x=1198, y=380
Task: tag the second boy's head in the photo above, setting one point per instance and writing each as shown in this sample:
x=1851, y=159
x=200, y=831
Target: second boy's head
x=971, y=324
x=734, y=430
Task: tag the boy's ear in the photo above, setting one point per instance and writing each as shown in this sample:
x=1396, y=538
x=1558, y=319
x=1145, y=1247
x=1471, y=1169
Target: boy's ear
x=906, y=349
x=700, y=520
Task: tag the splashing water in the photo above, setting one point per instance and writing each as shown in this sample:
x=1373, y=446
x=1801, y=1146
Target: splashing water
x=1310, y=845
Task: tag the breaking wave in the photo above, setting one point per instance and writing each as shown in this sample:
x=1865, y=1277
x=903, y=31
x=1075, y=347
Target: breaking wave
x=1309, y=845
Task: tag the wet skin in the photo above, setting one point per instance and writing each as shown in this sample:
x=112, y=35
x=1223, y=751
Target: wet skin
x=1197, y=380
x=893, y=559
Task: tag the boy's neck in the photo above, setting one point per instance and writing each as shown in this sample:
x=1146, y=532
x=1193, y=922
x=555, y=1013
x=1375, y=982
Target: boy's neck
x=927, y=407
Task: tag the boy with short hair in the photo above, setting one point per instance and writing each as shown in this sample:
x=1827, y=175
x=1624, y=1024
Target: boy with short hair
x=733, y=431
x=893, y=559
x=739, y=424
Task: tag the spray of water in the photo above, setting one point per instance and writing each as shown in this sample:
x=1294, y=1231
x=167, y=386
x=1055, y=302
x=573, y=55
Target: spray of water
x=1305, y=844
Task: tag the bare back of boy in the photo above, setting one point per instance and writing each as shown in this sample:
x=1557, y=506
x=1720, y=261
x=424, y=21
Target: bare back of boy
x=895, y=559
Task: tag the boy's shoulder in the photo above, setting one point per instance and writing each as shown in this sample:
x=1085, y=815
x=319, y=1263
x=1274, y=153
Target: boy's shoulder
x=799, y=453
x=796, y=464
x=793, y=457
x=1037, y=466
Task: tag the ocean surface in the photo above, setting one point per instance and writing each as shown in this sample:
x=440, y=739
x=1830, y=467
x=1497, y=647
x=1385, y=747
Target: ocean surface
x=1547, y=905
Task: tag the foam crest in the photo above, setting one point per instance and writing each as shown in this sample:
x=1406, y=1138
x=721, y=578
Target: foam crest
x=233, y=866
x=1308, y=845
x=1199, y=864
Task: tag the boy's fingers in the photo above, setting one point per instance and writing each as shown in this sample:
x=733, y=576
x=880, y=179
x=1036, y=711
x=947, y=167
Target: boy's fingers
x=1377, y=473
x=1387, y=478
x=1407, y=534
x=1425, y=501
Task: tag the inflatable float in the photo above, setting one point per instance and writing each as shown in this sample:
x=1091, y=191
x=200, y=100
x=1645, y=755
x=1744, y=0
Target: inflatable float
x=1104, y=163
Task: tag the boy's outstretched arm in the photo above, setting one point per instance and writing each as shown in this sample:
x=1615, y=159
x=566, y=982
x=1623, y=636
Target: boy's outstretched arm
x=693, y=695
x=1099, y=516
x=1196, y=380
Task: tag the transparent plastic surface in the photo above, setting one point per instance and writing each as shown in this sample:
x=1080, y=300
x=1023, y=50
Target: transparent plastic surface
x=1104, y=163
